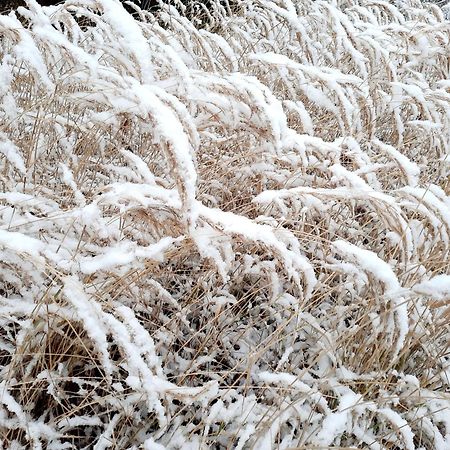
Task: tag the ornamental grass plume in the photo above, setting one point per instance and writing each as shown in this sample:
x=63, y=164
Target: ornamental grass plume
x=234, y=237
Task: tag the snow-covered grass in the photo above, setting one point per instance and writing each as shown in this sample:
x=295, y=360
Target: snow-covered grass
x=223, y=239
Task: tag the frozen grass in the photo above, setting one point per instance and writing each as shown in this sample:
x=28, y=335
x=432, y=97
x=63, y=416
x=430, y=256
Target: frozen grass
x=236, y=239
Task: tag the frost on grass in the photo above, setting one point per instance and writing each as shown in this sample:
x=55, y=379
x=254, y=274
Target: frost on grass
x=234, y=238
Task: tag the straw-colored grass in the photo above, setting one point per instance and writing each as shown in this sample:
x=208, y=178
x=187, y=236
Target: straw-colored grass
x=227, y=239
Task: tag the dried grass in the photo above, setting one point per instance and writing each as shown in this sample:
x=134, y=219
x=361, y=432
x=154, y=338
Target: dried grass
x=228, y=239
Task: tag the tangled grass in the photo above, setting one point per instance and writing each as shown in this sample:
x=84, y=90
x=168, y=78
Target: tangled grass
x=229, y=239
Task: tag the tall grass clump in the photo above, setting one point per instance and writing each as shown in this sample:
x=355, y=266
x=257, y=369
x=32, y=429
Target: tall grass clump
x=234, y=238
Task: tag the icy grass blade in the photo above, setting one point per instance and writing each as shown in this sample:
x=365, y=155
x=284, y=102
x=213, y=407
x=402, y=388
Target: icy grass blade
x=12, y=153
x=296, y=265
x=371, y=264
x=36, y=430
x=410, y=169
x=90, y=314
x=125, y=254
x=130, y=35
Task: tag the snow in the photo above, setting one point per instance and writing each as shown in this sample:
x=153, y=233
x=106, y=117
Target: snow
x=21, y=243
x=150, y=444
x=27, y=50
x=437, y=288
x=12, y=153
x=91, y=314
x=401, y=426
x=285, y=379
x=411, y=170
x=34, y=429
x=124, y=254
x=234, y=224
x=235, y=236
x=370, y=263
x=129, y=35
x=169, y=129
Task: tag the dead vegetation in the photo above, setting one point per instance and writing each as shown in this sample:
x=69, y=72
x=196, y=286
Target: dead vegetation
x=236, y=239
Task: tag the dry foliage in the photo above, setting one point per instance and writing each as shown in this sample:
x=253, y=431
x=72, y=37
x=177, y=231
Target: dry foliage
x=234, y=238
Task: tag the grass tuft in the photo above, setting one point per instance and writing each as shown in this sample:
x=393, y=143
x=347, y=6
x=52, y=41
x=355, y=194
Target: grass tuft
x=234, y=237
